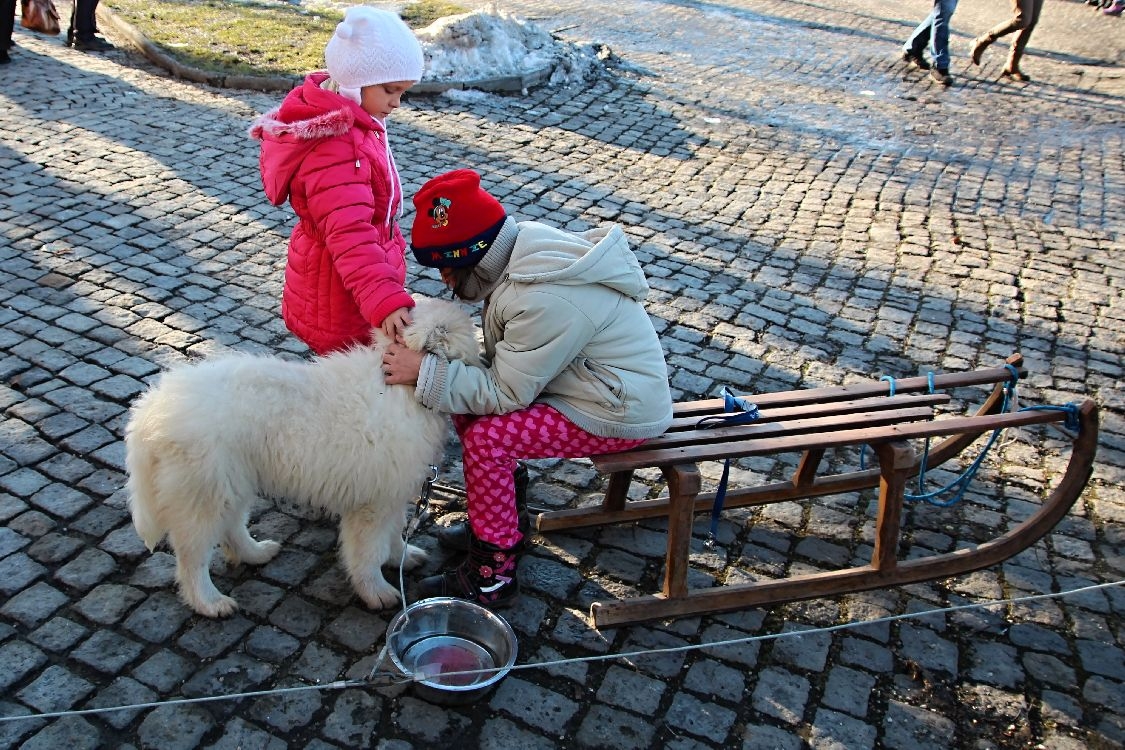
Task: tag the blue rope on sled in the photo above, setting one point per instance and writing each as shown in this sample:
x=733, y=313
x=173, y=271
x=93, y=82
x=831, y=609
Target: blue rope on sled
x=960, y=485
x=738, y=411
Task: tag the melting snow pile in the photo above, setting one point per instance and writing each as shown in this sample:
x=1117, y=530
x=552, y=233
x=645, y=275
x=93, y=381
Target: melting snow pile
x=491, y=44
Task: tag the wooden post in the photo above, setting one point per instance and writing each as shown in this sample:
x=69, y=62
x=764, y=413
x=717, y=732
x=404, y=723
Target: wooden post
x=618, y=490
x=806, y=470
x=896, y=459
x=684, y=483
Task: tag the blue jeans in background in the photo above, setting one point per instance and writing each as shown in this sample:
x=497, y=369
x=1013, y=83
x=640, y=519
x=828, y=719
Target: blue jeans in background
x=935, y=32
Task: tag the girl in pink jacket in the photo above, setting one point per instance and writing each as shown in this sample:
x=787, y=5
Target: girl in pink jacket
x=325, y=149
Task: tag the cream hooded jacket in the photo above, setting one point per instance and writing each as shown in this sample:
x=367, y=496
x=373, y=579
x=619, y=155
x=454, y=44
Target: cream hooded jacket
x=564, y=325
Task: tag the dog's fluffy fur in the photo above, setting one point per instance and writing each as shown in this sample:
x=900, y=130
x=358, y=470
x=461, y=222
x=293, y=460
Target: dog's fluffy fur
x=207, y=439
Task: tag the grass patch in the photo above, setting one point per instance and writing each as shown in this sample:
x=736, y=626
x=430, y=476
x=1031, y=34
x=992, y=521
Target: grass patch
x=260, y=38
x=422, y=13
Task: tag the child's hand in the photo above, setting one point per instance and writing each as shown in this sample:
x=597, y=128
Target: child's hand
x=395, y=323
x=401, y=365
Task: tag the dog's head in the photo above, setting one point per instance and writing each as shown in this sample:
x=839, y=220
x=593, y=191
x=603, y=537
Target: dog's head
x=444, y=328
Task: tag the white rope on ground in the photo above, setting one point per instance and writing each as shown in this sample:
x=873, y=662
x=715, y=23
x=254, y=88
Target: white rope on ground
x=396, y=679
x=177, y=701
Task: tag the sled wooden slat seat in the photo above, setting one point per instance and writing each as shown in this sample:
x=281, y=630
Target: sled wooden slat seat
x=809, y=422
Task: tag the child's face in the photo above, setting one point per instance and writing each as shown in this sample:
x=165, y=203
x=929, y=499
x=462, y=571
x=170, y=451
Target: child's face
x=455, y=279
x=381, y=99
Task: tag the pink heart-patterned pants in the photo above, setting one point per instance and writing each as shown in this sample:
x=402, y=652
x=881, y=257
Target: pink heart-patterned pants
x=490, y=446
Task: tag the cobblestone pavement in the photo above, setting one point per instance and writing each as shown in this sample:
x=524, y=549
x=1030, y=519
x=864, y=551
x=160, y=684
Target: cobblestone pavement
x=809, y=211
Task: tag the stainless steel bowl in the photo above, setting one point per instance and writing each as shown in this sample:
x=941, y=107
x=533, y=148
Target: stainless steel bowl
x=455, y=650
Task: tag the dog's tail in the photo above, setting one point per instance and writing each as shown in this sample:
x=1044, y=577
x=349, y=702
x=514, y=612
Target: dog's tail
x=140, y=462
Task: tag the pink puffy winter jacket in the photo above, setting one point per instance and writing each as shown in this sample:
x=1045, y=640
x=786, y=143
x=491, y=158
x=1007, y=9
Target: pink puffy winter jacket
x=347, y=258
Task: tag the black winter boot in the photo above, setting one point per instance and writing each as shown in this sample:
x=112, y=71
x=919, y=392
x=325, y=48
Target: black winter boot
x=486, y=577
x=456, y=536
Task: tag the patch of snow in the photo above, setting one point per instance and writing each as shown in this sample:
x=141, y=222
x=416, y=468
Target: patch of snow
x=466, y=95
x=488, y=44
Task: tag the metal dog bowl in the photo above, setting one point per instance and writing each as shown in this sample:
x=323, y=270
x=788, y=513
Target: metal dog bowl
x=444, y=643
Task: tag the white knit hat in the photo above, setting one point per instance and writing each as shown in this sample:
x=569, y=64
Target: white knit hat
x=372, y=46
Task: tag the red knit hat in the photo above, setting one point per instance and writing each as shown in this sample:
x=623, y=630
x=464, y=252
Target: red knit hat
x=456, y=221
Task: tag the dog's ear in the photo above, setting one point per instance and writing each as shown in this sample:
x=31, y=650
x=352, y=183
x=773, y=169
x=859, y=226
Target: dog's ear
x=443, y=328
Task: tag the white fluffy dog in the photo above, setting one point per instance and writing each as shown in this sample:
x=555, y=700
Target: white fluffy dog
x=207, y=439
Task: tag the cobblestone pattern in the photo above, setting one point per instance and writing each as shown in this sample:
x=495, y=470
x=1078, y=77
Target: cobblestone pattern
x=809, y=212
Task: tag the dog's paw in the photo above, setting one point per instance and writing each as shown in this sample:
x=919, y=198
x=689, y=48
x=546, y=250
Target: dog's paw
x=222, y=606
x=415, y=556
x=262, y=552
x=380, y=595
x=244, y=549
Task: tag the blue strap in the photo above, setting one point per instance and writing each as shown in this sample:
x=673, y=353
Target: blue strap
x=926, y=444
x=717, y=508
x=956, y=488
x=738, y=411
x=1073, y=421
x=1015, y=375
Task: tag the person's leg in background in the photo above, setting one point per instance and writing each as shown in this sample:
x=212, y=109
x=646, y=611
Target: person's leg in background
x=1025, y=14
x=7, y=26
x=939, y=40
x=83, y=28
x=1028, y=15
x=918, y=40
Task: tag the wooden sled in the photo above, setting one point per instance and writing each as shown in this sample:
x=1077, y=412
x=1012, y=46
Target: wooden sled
x=885, y=416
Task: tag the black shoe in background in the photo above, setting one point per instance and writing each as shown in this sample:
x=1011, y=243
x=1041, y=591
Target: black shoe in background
x=94, y=44
x=916, y=59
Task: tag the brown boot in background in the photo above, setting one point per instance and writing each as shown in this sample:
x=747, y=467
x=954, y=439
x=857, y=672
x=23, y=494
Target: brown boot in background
x=979, y=45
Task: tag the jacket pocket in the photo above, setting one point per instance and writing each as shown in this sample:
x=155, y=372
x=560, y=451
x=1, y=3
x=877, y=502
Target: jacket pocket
x=607, y=388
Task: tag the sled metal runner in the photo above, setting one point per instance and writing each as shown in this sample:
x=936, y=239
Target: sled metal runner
x=810, y=422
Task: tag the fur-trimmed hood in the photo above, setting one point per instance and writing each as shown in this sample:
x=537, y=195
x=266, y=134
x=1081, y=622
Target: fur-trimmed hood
x=307, y=115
